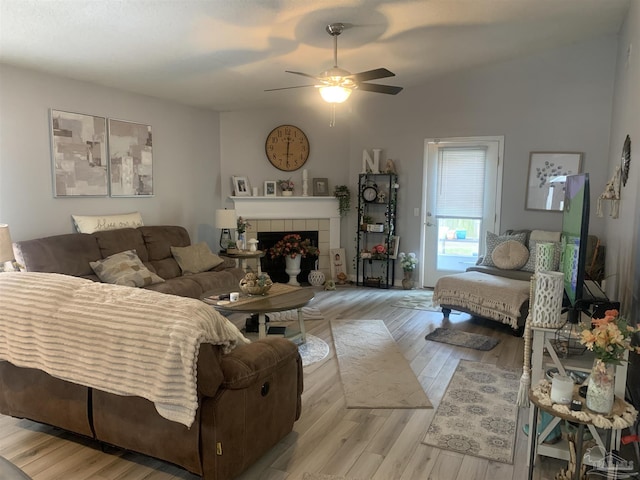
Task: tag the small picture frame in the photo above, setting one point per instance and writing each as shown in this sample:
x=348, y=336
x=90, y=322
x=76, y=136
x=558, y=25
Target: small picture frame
x=394, y=246
x=241, y=187
x=270, y=188
x=546, y=179
x=320, y=187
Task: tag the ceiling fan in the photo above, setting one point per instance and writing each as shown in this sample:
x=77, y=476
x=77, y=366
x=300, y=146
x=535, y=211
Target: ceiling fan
x=336, y=84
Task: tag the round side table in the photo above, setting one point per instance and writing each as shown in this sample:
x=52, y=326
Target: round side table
x=622, y=415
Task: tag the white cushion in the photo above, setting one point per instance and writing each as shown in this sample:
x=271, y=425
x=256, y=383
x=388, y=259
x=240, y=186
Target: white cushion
x=97, y=223
x=493, y=240
x=510, y=255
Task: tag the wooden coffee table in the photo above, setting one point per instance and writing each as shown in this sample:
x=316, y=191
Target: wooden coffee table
x=279, y=298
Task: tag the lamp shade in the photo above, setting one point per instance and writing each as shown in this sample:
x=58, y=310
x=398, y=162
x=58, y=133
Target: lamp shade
x=226, y=219
x=6, y=246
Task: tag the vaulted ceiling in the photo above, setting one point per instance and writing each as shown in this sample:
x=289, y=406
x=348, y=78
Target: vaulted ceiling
x=223, y=54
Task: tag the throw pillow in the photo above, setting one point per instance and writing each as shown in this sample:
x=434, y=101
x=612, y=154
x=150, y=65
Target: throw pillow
x=195, y=258
x=545, y=236
x=510, y=255
x=125, y=268
x=493, y=240
x=96, y=223
x=530, y=266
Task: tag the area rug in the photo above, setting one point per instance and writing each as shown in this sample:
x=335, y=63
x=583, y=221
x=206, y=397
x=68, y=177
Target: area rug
x=421, y=300
x=478, y=415
x=313, y=350
x=373, y=371
x=462, y=339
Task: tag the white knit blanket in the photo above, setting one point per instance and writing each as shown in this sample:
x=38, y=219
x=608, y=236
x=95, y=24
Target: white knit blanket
x=122, y=340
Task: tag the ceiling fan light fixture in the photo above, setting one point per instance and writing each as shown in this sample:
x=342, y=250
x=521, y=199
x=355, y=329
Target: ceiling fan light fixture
x=334, y=93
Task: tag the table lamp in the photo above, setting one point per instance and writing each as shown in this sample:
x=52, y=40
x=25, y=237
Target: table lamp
x=6, y=246
x=226, y=221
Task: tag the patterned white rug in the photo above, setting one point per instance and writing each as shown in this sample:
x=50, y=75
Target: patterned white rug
x=478, y=414
x=373, y=371
x=313, y=350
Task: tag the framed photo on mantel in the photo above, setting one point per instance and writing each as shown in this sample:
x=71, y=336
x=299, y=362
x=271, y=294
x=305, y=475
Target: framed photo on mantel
x=547, y=175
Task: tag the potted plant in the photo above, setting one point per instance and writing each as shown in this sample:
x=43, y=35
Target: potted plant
x=241, y=227
x=343, y=194
x=408, y=262
x=286, y=187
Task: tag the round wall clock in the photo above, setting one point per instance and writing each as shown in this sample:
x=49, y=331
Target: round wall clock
x=369, y=193
x=626, y=160
x=287, y=148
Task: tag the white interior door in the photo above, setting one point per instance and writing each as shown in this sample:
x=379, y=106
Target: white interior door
x=461, y=201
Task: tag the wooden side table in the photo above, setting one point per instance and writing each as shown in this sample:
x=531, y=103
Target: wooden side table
x=623, y=414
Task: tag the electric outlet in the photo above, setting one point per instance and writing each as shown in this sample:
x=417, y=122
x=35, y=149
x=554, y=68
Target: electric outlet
x=416, y=212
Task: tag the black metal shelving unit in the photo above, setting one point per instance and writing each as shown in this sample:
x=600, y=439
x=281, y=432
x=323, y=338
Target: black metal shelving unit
x=376, y=226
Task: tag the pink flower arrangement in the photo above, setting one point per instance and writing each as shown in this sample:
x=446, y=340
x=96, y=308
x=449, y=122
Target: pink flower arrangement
x=292, y=244
x=379, y=249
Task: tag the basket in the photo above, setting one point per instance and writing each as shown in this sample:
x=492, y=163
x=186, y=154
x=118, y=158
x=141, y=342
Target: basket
x=255, y=284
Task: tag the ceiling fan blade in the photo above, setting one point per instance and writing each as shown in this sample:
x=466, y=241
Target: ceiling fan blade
x=374, y=87
x=304, y=75
x=287, y=88
x=372, y=75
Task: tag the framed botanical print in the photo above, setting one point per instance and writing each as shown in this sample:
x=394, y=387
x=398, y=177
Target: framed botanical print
x=547, y=175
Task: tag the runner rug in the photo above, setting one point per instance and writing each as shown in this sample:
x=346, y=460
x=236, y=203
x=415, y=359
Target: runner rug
x=373, y=371
x=462, y=339
x=420, y=300
x=478, y=414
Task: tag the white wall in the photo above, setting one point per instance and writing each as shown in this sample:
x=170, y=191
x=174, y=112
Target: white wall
x=554, y=101
x=621, y=234
x=186, y=156
x=242, y=146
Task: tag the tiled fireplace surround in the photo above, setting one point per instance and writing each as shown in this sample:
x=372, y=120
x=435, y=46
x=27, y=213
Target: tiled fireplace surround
x=293, y=214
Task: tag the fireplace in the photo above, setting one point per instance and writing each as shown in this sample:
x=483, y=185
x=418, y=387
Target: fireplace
x=293, y=214
x=276, y=267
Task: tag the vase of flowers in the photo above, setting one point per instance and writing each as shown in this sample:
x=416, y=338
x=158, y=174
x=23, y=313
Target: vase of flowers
x=292, y=248
x=608, y=338
x=286, y=187
x=408, y=262
x=242, y=225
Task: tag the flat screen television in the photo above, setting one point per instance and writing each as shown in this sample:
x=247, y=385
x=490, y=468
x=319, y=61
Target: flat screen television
x=575, y=230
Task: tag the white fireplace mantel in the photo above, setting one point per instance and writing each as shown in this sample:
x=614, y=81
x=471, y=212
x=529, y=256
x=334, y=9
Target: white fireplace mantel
x=263, y=208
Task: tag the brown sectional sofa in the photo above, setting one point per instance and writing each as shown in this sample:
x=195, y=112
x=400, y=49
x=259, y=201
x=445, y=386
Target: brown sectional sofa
x=71, y=253
x=249, y=398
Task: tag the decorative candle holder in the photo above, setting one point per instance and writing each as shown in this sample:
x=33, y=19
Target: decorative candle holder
x=547, y=303
x=545, y=253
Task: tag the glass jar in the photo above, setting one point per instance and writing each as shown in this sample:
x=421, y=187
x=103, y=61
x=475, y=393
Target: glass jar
x=600, y=390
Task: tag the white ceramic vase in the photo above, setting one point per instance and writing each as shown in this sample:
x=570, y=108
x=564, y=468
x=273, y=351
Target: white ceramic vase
x=292, y=267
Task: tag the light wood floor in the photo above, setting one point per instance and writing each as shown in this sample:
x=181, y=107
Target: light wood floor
x=328, y=438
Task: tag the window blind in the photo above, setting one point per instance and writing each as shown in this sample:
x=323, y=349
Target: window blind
x=461, y=173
